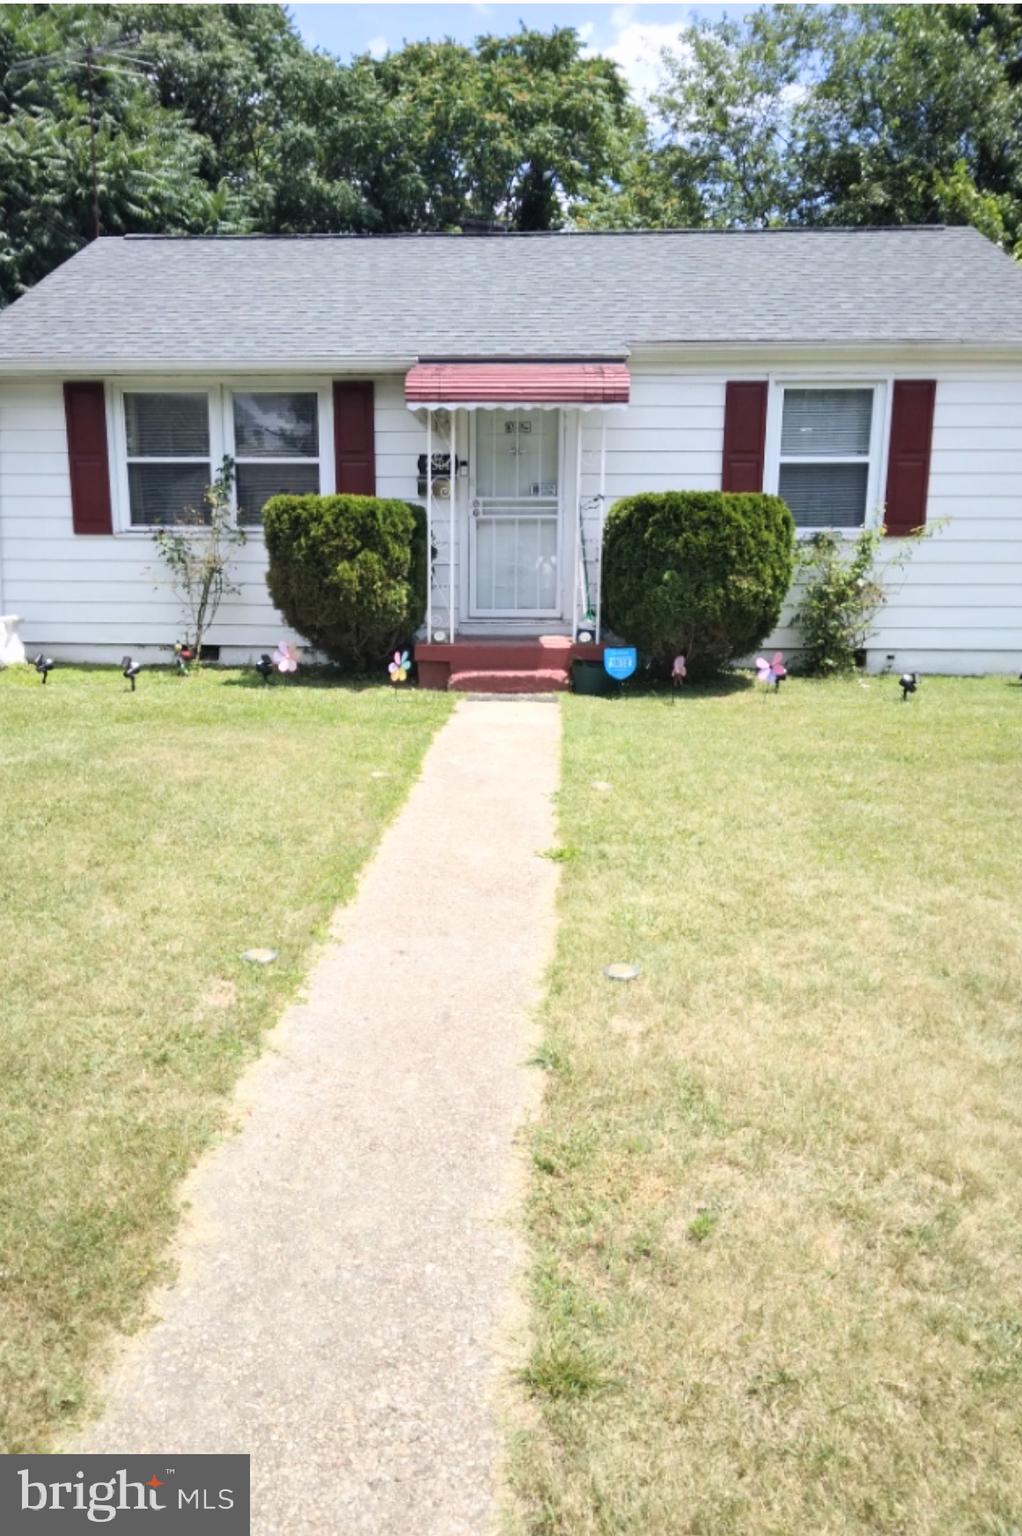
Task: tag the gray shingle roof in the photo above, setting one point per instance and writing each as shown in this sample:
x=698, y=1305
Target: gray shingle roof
x=259, y=301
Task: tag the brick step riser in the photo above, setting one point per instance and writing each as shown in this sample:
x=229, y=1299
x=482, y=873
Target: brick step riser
x=532, y=680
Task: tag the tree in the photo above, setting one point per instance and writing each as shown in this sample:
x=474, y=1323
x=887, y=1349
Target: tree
x=561, y=127
x=209, y=118
x=728, y=106
x=522, y=129
x=852, y=115
x=82, y=144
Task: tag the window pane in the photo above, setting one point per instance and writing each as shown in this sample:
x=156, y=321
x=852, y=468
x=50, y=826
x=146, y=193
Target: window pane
x=256, y=483
x=164, y=494
x=276, y=426
x=826, y=422
x=167, y=426
x=517, y=454
x=825, y=495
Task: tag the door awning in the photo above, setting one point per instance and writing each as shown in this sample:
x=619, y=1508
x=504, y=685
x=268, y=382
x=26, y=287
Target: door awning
x=532, y=386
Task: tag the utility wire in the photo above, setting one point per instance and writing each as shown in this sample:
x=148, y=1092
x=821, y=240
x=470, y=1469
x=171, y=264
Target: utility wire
x=88, y=56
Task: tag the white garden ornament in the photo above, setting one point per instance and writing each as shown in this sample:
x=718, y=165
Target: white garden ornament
x=12, y=651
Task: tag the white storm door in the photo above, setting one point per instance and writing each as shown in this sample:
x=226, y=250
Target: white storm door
x=515, y=519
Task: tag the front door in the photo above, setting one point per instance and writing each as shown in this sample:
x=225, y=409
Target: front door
x=515, y=522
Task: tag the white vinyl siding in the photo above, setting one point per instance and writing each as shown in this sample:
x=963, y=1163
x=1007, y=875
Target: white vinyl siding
x=956, y=606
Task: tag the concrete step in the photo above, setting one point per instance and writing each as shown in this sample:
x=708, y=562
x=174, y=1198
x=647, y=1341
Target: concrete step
x=505, y=680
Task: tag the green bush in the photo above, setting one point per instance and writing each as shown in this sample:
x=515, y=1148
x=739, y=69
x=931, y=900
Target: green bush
x=843, y=586
x=703, y=573
x=348, y=573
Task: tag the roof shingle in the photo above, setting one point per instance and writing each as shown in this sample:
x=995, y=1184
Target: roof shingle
x=257, y=301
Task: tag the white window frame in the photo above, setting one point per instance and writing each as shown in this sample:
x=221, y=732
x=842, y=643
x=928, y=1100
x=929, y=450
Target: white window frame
x=878, y=429
x=221, y=432
x=122, y=459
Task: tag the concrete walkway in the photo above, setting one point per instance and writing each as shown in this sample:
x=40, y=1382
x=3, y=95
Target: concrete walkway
x=348, y=1264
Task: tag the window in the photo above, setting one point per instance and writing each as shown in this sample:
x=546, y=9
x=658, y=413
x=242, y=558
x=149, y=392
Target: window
x=172, y=440
x=824, y=468
x=276, y=449
x=167, y=438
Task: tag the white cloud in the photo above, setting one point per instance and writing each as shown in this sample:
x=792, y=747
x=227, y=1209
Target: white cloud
x=378, y=47
x=586, y=30
x=637, y=48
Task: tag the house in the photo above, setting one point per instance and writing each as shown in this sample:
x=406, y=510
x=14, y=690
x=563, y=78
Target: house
x=863, y=374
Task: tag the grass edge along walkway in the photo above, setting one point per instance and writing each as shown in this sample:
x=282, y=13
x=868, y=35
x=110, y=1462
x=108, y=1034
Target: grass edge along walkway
x=148, y=839
x=774, y=1208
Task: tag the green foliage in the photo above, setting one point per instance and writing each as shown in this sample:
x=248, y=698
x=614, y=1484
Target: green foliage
x=560, y=1369
x=521, y=128
x=841, y=592
x=197, y=556
x=702, y=1226
x=217, y=118
x=74, y=101
x=698, y=572
x=348, y=572
x=853, y=115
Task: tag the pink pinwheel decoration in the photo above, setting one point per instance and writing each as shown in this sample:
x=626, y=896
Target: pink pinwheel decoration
x=285, y=657
x=679, y=671
x=398, y=668
x=771, y=672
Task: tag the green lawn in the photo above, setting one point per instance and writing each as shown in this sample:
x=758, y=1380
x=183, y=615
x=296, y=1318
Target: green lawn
x=776, y=1199
x=147, y=840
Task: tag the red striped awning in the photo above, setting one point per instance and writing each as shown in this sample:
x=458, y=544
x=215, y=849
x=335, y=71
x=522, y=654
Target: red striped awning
x=493, y=384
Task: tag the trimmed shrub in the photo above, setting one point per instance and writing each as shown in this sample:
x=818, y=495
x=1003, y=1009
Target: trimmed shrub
x=703, y=573
x=348, y=573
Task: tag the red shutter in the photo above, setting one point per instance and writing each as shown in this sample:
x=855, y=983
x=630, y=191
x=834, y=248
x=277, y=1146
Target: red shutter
x=354, y=439
x=908, y=462
x=745, y=408
x=85, y=412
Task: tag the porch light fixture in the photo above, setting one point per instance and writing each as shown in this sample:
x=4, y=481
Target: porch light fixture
x=440, y=636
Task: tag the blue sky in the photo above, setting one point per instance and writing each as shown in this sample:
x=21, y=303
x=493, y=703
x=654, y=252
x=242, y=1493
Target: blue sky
x=631, y=34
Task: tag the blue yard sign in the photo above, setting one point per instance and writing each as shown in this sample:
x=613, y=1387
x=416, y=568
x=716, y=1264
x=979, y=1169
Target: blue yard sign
x=620, y=661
